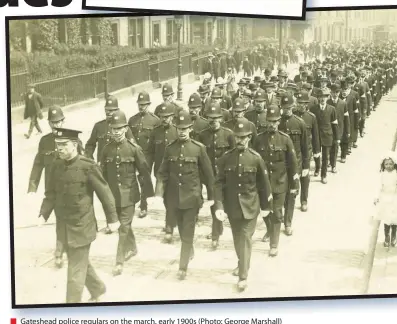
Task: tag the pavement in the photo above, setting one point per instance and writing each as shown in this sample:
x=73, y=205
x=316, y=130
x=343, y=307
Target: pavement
x=327, y=255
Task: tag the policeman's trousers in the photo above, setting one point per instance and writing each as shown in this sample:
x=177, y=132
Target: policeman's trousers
x=275, y=218
x=289, y=207
x=305, y=182
x=80, y=274
x=242, y=231
x=186, y=221
x=143, y=202
x=59, y=249
x=127, y=241
x=217, y=226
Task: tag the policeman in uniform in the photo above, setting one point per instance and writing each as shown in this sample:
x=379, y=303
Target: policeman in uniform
x=168, y=97
x=242, y=192
x=121, y=158
x=163, y=135
x=238, y=112
x=142, y=125
x=185, y=167
x=45, y=157
x=216, y=96
x=295, y=127
x=218, y=140
x=277, y=150
x=72, y=181
x=313, y=141
x=259, y=103
x=328, y=129
x=199, y=123
x=101, y=134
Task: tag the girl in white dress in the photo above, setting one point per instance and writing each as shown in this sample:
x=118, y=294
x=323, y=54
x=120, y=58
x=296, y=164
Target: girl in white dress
x=386, y=198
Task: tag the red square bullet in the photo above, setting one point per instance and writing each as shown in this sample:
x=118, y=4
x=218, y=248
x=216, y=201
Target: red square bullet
x=13, y=321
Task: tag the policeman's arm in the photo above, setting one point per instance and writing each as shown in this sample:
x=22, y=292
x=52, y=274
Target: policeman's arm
x=304, y=147
x=334, y=123
x=315, y=136
x=220, y=183
x=102, y=190
x=231, y=141
x=292, y=165
x=162, y=174
x=264, y=186
x=37, y=170
x=254, y=134
x=48, y=203
x=144, y=173
x=346, y=121
x=150, y=151
x=90, y=146
x=205, y=168
x=129, y=135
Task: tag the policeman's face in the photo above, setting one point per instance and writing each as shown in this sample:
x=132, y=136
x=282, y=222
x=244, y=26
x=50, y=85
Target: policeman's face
x=143, y=108
x=287, y=111
x=272, y=125
x=302, y=106
x=167, y=98
x=184, y=133
x=166, y=120
x=259, y=105
x=109, y=114
x=194, y=111
x=335, y=95
x=217, y=100
x=66, y=149
x=118, y=134
x=238, y=114
x=215, y=122
x=242, y=141
x=57, y=124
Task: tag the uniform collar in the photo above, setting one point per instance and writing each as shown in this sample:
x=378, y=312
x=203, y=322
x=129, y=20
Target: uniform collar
x=70, y=162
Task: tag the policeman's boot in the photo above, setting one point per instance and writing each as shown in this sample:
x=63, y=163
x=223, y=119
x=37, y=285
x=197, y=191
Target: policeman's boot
x=181, y=274
x=215, y=244
x=387, y=235
x=58, y=262
x=142, y=213
x=274, y=239
x=242, y=285
x=118, y=269
x=393, y=235
x=236, y=272
x=304, y=206
x=108, y=231
x=268, y=224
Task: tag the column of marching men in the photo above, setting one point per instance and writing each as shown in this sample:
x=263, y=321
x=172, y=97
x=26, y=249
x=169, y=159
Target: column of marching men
x=251, y=149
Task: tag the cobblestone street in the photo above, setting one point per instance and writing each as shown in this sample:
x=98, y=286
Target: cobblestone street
x=325, y=256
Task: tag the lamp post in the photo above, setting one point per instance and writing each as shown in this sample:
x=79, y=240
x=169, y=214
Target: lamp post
x=179, y=22
x=280, y=44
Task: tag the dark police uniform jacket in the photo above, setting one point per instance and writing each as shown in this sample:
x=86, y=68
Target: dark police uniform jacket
x=142, y=124
x=242, y=186
x=120, y=162
x=46, y=155
x=277, y=150
x=70, y=193
x=185, y=167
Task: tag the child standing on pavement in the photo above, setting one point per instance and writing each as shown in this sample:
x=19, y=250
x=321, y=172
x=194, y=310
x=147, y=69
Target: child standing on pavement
x=386, y=198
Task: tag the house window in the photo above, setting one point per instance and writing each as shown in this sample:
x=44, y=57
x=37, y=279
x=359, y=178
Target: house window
x=135, y=32
x=221, y=31
x=115, y=33
x=156, y=32
x=172, y=32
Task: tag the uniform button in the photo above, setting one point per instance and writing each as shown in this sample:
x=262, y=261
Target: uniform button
x=239, y=184
x=239, y=194
x=181, y=155
x=180, y=184
x=180, y=165
x=117, y=157
x=239, y=165
x=239, y=175
x=166, y=132
x=241, y=155
x=118, y=175
x=117, y=166
x=118, y=147
x=270, y=154
x=183, y=146
x=180, y=174
x=56, y=150
x=119, y=184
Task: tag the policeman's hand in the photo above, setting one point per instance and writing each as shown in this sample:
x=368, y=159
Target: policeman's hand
x=305, y=172
x=155, y=201
x=114, y=227
x=265, y=213
x=208, y=203
x=220, y=215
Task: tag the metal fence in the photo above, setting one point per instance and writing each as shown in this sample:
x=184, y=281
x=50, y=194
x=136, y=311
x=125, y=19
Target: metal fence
x=71, y=89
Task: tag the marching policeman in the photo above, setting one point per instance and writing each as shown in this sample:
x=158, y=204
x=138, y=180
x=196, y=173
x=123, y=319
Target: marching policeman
x=168, y=97
x=238, y=112
x=185, y=167
x=295, y=127
x=218, y=140
x=216, y=96
x=277, y=150
x=342, y=115
x=242, y=192
x=254, y=116
x=163, y=135
x=101, y=134
x=328, y=129
x=142, y=125
x=72, y=181
x=199, y=123
x=121, y=158
x=313, y=136
x=45, y=157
